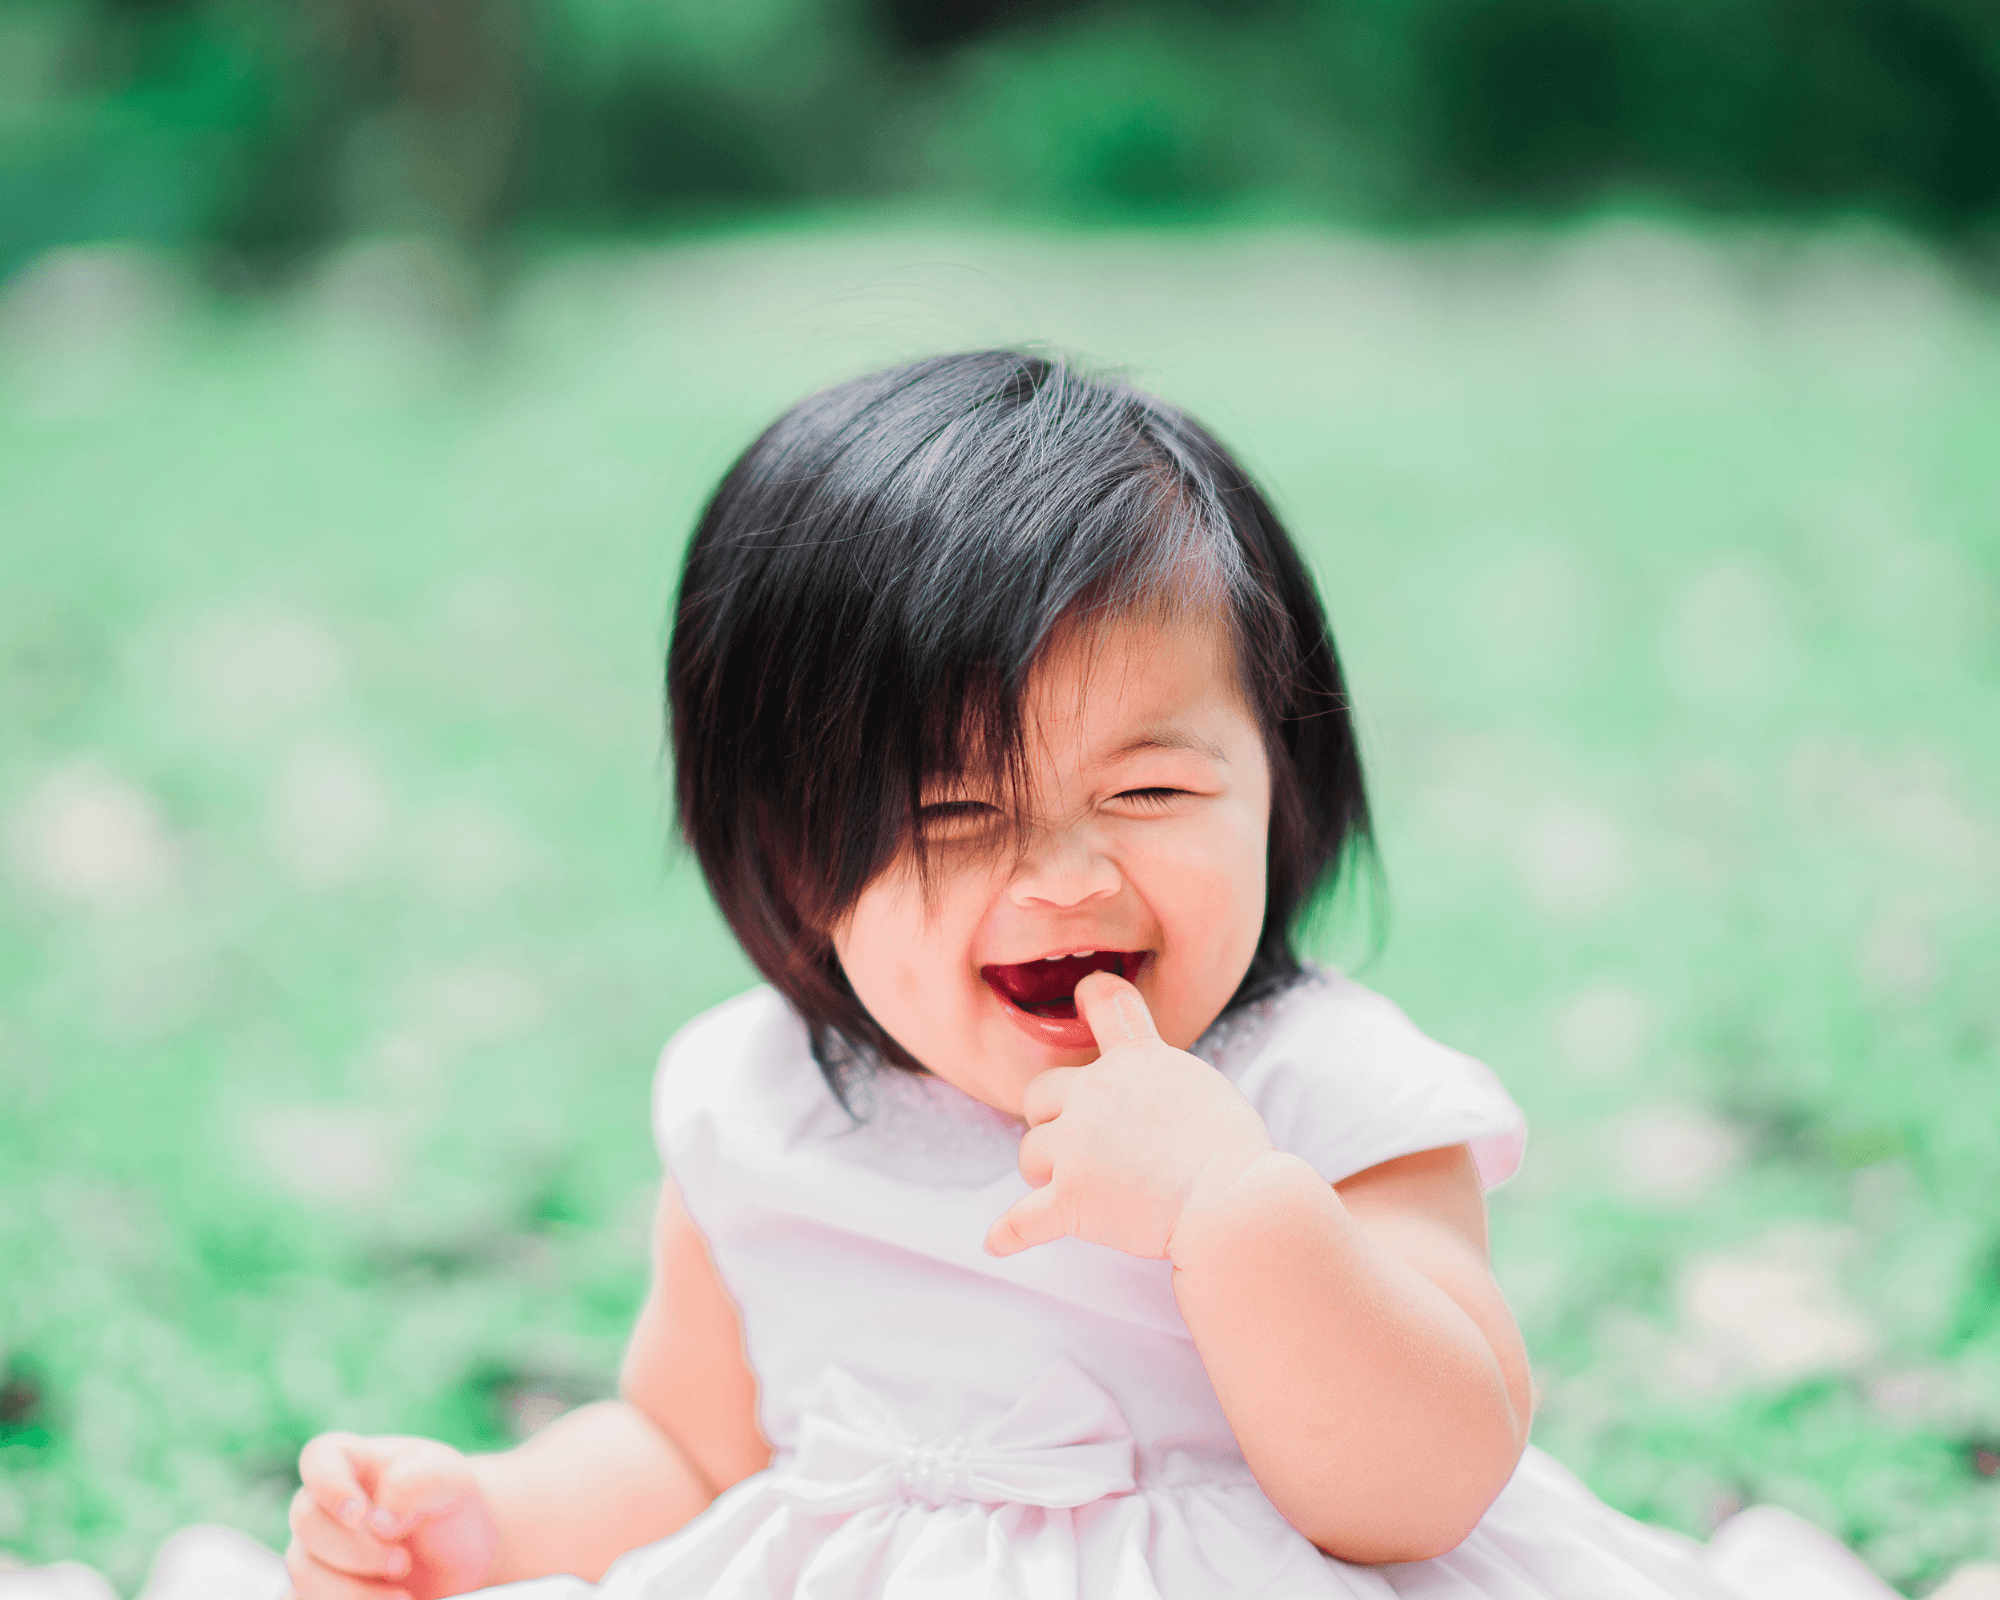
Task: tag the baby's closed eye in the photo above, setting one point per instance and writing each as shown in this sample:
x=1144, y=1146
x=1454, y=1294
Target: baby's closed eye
x=958, y=819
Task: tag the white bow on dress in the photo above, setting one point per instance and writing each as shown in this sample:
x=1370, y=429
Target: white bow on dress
x=1063, y=1443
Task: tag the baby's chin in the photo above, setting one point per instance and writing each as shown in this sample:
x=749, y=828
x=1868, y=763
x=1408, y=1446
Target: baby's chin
x=999, y=1074
x=1004, y=1084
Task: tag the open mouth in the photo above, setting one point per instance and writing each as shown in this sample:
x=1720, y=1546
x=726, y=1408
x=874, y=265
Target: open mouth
x=1048, y=988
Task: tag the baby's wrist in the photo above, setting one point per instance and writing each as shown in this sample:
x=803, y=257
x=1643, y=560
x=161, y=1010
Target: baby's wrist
x=1240, y=1197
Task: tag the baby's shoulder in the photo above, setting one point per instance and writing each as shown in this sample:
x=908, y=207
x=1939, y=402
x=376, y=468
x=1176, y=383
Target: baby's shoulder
x=1343, y=1078
x=750, y=1052
x=1323, y=1023
x=755, y=1021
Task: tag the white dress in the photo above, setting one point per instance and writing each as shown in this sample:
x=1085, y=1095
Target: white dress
x=952, y=1426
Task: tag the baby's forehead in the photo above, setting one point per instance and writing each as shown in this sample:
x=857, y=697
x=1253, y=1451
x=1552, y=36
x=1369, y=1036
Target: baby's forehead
x=1143, y=670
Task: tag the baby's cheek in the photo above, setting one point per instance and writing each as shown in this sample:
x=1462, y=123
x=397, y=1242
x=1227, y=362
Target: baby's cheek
x=1218, y=880
x=907, y=984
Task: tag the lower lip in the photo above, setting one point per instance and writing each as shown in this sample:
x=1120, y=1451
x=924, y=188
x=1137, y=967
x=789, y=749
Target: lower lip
x=1058, y=1033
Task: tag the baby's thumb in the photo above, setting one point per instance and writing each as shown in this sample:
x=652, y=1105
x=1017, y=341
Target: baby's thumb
x=424, y=1479
x=1035, y=1218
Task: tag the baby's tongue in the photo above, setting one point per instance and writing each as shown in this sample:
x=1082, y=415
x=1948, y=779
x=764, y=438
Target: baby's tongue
x=1049, y=987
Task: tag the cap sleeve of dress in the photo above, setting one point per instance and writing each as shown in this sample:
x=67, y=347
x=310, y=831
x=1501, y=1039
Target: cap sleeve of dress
x=716, y=1078
x=1344, y=1080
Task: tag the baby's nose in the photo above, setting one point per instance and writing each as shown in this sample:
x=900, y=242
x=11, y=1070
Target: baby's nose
x=1065, y=871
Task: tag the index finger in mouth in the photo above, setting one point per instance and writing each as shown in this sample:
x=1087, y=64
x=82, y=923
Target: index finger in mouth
x=1116, y=1011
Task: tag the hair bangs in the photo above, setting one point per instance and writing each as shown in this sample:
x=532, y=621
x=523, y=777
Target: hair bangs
x=1149, y=550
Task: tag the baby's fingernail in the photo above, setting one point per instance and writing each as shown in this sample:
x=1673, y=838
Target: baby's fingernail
x=350, y=1511
x=397, y=1562
x=382, y=1522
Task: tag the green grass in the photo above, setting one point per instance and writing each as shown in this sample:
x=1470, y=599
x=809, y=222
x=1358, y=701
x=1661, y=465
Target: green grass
x=340, y=926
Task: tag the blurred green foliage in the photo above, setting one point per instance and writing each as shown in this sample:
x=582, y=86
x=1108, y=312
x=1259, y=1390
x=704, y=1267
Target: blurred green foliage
x=337, y=931
x=267, y=127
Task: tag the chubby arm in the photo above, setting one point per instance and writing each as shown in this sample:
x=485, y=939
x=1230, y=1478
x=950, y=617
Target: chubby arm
x=610, y=1477
x=1364, y=1356
x=685, y=1368
x=596, y=1482
x=1371, y=1371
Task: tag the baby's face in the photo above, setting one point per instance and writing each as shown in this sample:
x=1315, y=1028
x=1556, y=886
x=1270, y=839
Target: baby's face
x=1148, y=801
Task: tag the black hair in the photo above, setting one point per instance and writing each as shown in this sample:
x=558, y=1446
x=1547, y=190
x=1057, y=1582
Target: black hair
x=866, y=595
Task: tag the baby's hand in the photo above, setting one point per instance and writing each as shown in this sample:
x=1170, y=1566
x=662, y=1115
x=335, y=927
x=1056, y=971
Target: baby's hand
x=1120, y=1149
x=390, y=1518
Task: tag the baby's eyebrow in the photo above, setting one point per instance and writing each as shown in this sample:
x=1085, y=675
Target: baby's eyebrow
x=1168, y=737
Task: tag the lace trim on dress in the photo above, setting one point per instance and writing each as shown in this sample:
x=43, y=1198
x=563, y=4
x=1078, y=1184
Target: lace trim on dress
x=1233, y=1027
x=918, y=1127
